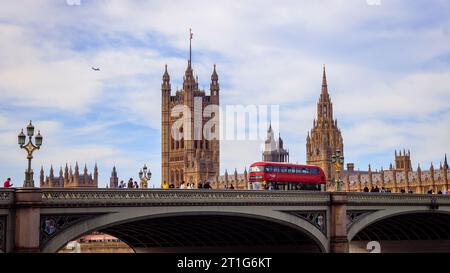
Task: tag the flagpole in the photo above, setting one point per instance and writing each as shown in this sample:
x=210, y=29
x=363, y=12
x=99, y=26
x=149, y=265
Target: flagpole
x=190, y=46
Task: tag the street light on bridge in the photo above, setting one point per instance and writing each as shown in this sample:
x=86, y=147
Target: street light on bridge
x=338, y=160
x=145, y=175
x=30, y=148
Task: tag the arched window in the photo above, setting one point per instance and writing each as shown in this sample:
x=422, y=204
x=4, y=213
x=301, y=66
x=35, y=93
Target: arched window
x=178, y=144
x=182, y=143
x=206, y=144
x=172, y=144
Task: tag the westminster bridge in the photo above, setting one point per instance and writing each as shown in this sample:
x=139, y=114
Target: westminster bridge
x=154, y=220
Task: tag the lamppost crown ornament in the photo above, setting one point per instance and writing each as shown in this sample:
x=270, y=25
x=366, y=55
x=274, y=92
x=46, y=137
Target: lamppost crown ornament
x=30, y=148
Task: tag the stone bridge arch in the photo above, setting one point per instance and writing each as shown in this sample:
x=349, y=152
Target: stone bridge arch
x=116, y=216
x=382, y=214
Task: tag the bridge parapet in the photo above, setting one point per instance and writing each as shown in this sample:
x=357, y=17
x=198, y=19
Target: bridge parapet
x=396, y=199
x=6, y=197
x=152, y=197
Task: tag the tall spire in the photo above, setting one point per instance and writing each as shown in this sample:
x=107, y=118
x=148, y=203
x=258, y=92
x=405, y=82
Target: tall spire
x=324, y=82
x=445, y=162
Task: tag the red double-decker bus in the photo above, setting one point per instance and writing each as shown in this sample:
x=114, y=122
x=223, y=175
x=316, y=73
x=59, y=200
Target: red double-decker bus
x=285, y=176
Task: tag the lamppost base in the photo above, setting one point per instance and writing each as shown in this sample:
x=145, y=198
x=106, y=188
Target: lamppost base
x=29, y=182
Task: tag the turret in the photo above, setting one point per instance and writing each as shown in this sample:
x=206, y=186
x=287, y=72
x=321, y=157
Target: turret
x=214, y=86
x=70, y=174
x=41, y=178
x=114, y=180
x=60, y=178
x=432, y=171
x=77, y=172
x=96, y=174
x=446, y=172
x=165, y=86
x=52, y=175
x=226, y=177
x=66, y=174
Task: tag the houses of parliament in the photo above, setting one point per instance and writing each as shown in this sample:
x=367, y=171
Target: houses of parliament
x=325, y=139
x=197, y=159
x=192, y=157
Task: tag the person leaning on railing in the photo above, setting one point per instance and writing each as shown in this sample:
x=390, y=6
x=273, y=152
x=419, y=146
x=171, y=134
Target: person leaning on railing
x=7, y=183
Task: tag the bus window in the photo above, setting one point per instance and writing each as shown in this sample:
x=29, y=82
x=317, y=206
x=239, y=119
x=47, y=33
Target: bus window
x=315, y=171
x=276, y=169
x=257, y=169
x=304, y=170
x=269, y=169
x=290, y=170
x=283, y=169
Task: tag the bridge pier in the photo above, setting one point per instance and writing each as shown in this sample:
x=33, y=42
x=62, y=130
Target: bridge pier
x=338, y=233
x=27, y=218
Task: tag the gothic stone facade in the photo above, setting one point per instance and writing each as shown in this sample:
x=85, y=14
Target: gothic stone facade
x=274, y=150
x=69, y=179
x=238, y=180
x=193, y=158
x=325, y=137
x=400, y=178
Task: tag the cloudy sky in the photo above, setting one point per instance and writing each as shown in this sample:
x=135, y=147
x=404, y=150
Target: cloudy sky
x=388, y=68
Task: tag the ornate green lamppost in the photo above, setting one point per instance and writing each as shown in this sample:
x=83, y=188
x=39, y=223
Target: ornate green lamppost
x=145, y=176
x=30, y=148
x=338, y=160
